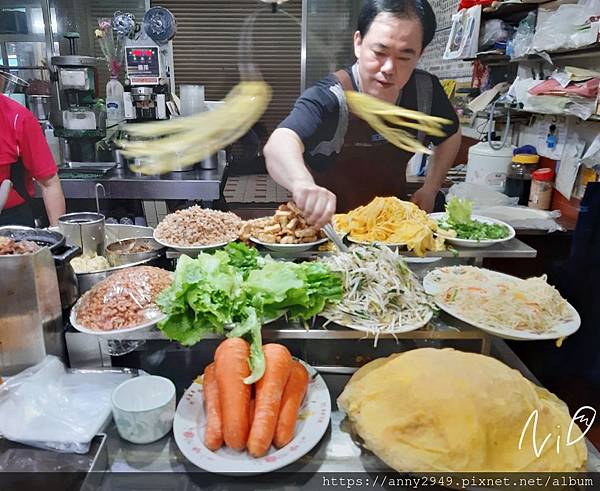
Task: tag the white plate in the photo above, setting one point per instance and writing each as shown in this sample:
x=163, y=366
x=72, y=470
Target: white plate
x=367, y=243
x=289, y=247
x=404, y=328
x=189, y=423
x=191, y=250
x=475, y=244
x=561, y=330
x=421, y=260
x=114, y=333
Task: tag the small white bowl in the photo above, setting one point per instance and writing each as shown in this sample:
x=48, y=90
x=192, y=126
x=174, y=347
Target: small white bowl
x=144, y=408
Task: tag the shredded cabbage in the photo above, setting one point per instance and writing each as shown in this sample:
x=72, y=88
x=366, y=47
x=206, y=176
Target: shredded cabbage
x=380, y=293
x=489, y=299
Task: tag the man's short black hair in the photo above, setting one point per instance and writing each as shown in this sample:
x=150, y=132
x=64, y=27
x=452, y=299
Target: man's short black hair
x=404, y=9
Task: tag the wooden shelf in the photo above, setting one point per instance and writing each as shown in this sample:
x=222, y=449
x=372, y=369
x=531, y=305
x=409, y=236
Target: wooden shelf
x=514, y=111
x=491, y=58
x=501, y=59
x=583, y=52
x=508, y=11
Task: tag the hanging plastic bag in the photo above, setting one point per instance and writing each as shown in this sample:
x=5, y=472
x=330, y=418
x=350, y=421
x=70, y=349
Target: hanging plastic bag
x=521, y=43
x=570, y=26
x=480, y=195
x=493, y=31
x=522, y=217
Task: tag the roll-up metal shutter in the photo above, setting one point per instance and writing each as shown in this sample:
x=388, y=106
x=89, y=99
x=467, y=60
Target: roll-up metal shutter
x=330, y=32
x=205, y=48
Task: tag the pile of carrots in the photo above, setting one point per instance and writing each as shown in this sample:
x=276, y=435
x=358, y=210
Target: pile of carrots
x=252, y=416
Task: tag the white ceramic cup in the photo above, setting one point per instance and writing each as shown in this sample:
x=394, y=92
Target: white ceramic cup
x=144, y=408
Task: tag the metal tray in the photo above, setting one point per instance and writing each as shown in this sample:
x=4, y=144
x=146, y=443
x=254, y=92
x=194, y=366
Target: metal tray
x=88, y=167
x=16, y=457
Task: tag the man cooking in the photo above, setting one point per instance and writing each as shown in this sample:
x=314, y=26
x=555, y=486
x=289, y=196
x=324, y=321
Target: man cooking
x=24, y=156
x=331, y=160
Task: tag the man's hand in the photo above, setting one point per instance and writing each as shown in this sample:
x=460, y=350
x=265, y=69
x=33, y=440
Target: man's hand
x=424, y=198
x=317, y=203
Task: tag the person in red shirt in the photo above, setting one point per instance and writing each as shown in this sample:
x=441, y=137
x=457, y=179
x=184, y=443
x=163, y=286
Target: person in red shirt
x=24, y=157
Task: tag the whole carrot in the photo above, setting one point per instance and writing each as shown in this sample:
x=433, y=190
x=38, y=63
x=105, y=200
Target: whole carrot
x=252, y=405
x=290, y=404
x=213, y=433
x=231, y=360
x=269, y=390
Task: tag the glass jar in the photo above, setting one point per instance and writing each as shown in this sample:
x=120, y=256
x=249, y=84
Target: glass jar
x=518, y=178
x=540, y=195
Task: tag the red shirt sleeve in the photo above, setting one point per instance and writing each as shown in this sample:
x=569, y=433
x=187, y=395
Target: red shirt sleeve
x=34, y=150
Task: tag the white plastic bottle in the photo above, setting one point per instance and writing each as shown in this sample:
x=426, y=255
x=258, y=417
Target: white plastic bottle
x=114, y=102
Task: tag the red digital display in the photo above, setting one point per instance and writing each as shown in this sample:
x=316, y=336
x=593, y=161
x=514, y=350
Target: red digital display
x=142, y=52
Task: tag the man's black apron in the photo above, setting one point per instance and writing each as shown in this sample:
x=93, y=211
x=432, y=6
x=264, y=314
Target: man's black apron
x=365, y=168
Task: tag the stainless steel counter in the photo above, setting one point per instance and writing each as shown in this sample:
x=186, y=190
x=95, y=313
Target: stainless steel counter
x=197, y=184
x=441, y=327
x=160, y=465
x=339, y=451
x=513, y=248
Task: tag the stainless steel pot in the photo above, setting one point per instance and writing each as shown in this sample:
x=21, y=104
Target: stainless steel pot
x=30, y=311
x=113, y=233
x=34, y=289
x=61, y=254
x=40, y=105
x=119, y=253
x=85, y=230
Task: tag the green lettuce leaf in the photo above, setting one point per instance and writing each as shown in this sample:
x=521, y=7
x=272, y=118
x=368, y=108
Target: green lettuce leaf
x=243, y=258
x=322, y=286
x=459, y=220
x=201, y=298
x=459, y=210
x=250, y=329
x=237, y=286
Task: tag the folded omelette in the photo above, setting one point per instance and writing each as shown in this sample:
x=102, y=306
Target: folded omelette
x=443, y=410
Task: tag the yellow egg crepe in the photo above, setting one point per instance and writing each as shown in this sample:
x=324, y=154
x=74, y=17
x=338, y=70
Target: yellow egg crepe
x=450, y=411
x=391, y=221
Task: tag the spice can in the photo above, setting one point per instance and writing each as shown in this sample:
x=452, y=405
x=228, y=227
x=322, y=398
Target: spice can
x=540, y=195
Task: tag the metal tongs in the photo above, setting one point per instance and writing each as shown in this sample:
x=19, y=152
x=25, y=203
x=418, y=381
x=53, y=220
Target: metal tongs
x=335, y=238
